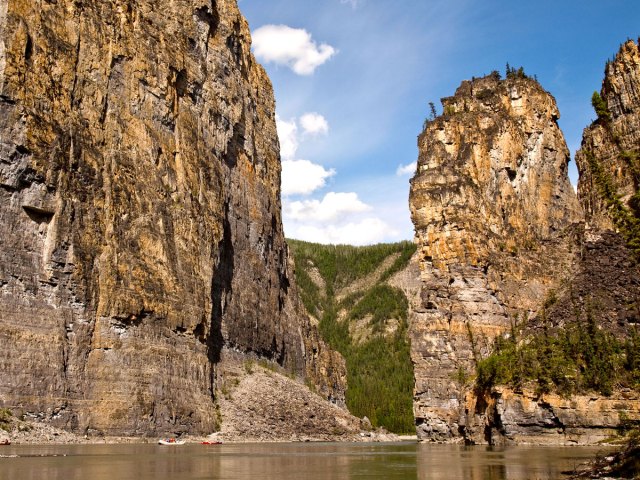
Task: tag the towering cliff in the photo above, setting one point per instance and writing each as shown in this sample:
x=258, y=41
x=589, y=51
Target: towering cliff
x=609, y=157
x=139, y=214
x=508, y=252
x=494, y=214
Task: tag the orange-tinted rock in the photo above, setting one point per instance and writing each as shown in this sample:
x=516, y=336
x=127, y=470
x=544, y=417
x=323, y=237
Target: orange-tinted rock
x=139, y=214
x=494, y=216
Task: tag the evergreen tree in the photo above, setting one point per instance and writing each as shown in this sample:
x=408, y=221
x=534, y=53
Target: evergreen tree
x=600, y=106
x=433, y=112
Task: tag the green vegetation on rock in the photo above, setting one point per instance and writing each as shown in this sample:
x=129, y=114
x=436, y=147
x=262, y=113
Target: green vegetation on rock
x=353, y=294
x=626, y=220
x=600, y=107
x=579, y=358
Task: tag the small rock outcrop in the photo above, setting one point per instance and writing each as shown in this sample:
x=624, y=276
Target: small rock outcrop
x=140, y=215
x=495, y=216
x=528, y=417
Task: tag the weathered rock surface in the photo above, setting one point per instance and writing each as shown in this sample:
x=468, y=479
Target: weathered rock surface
x=498, y=152
x=493, y=211
x=139, y=215
x=501, y=236
x=529, y=418
x=613, y=143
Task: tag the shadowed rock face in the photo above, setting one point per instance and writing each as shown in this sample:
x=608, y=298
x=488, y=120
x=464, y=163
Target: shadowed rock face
x=493, y=208
x=139, y=214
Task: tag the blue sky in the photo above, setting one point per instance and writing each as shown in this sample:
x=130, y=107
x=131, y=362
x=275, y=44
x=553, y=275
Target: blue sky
x=353, y=79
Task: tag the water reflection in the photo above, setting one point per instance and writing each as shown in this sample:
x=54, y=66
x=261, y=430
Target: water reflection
x=287, y=461
x=438, y=462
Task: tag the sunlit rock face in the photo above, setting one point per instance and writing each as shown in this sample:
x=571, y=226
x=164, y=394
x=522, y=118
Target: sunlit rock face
x=613, y=142
x=139, y=215
x=495, y=219
x=609, y=166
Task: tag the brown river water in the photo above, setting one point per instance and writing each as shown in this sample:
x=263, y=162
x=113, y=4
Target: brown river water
x=307, y=461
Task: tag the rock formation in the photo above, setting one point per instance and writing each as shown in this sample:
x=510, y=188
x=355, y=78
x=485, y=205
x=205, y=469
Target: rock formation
x=609, y=165
x=502, y=237
x=610, y=150
x=139, y=215
x=491, y=199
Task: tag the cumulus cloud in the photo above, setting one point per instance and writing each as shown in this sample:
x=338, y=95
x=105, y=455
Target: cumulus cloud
x=302, y=177
x=314, y=124
x=288, y=136
x=364, y=232
x=409, y=169
x=291, y=47
x=332, y=207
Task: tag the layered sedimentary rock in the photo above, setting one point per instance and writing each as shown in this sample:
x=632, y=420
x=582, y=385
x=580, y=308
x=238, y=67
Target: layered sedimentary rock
x=528, y=417
x=609, y=157
x=501, y=239
x=495, y=216
x=139, y=214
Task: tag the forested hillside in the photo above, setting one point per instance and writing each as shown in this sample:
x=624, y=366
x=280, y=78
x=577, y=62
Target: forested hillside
x=364, y=317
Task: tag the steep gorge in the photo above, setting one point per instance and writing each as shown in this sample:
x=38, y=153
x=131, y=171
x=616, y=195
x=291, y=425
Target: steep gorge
x=140, y=216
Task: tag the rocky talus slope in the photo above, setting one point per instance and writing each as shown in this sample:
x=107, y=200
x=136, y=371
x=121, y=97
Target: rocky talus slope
x=259, y=403
x=501, y=240
x=139, y=216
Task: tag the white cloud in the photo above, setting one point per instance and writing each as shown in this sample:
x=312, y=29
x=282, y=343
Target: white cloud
x=292, y=47
x=302, y=177
x=332, y=207
x=353, y=3
x=288, y=135
x=364, y=232
x=314, y=124
x=409, y=169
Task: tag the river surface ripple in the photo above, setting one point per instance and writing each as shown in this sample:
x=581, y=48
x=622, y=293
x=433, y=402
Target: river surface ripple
x=280, y=461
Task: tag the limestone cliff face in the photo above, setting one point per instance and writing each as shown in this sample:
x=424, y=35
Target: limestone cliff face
x=493, y=211
x=527, y=417
x=139, y=213
x=610, y=149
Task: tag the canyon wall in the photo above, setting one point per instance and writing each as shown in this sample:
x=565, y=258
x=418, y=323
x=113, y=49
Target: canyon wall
x=490, y=198
x=503, y=240
x=140, y=215
x=609, y=156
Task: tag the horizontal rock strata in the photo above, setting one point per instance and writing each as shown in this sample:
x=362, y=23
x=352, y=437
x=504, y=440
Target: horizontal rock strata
x=139, y=215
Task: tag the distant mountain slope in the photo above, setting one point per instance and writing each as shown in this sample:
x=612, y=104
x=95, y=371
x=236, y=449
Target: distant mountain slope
x=348, y=291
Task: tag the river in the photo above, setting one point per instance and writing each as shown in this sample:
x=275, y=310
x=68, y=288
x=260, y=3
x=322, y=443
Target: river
x=306, y=461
